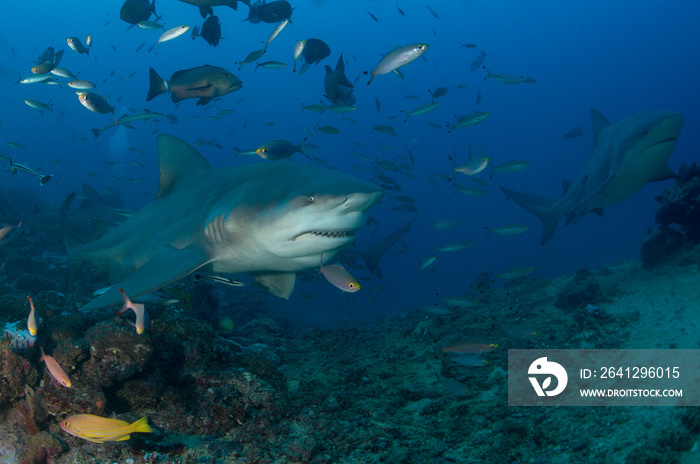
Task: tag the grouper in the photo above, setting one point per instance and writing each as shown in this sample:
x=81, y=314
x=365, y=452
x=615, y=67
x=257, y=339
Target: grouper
x=203, y=82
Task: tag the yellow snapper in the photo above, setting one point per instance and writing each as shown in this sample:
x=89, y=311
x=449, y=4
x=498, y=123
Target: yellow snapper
x=101, y=429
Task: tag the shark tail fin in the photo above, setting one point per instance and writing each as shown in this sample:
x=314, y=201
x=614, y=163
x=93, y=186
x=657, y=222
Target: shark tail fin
x=71, y=242
x=540, y=207
x=372, y=262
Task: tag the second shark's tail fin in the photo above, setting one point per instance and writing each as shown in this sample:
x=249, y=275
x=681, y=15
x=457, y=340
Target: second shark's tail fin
x=540, y=207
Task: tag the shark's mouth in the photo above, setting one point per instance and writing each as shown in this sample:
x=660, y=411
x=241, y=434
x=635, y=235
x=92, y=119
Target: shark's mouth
x=670, y=139
x=349, y=233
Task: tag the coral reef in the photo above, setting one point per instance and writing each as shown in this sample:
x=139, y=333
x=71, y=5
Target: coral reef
x=680, y=207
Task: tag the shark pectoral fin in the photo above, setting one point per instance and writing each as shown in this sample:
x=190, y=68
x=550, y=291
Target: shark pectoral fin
x=664, y=173
x=598, y=211
x=280, y=284
x=167, y=266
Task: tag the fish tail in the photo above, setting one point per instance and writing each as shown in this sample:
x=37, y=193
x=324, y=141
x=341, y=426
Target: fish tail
x=142, y=426
x=538, y=206
x=157, y=85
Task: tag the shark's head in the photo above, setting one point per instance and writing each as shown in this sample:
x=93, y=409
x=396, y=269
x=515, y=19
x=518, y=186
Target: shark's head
x=301, y=213
x=650, y=135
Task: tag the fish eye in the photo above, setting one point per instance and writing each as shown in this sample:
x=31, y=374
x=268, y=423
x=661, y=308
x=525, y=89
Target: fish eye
x=351, y=285
x=310, y=199
x=66, y=423
x=264, y=150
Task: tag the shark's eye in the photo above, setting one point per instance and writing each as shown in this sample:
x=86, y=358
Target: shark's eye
x=310, y=199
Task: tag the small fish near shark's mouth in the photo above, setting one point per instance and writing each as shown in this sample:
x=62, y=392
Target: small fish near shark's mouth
x=349, y=233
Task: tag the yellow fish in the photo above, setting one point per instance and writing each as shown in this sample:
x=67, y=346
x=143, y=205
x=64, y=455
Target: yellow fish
x=31, y=320
x=101, y=429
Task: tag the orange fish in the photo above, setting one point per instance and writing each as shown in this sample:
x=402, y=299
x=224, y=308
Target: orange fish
x=54, y=369
x=31, y=320
x=140, y=311
x=338, y=276
x=7, y=229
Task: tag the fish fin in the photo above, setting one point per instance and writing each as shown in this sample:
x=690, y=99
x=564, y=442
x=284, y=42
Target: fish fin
x=203, y=101
x=125, y=437
x=664, y=173
x=99, y=228
x=200, y=88
x=57, y=57
x=165, y=267
x=157, y=85
x=142, y=426
x=177, y=160
x=565, y=184
x=206, y=10
x=175, y=98
x=540, y=207
x=280, y=284
x=599, y=125
x=96, y=131
x=598, y=211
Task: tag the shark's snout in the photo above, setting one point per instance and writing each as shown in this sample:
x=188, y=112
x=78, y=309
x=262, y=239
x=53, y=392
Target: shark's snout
x=362, y=201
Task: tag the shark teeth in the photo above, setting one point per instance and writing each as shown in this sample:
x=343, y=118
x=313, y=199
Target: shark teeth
x=333, y=233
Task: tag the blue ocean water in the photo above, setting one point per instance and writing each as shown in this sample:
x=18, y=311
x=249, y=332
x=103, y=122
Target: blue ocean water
x=618, y=58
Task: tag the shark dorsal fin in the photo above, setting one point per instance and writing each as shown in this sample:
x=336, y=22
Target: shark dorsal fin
x=177, y=160
x=599, y=124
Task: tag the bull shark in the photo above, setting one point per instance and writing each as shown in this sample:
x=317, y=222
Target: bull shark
x=626, y=155
x=270, y=219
